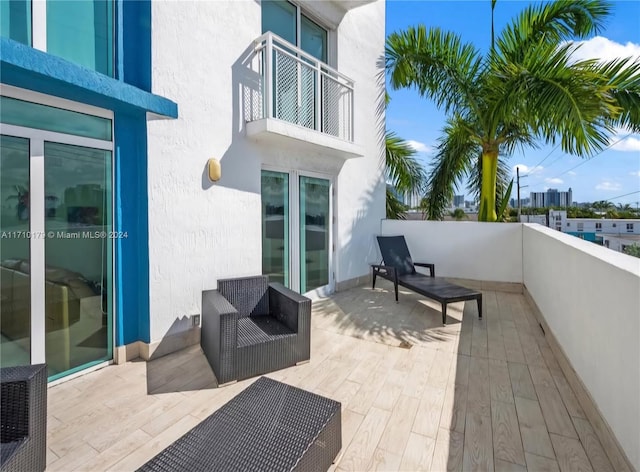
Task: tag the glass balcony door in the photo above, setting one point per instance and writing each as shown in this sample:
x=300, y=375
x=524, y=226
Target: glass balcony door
x=295, y=77
x=297, y=231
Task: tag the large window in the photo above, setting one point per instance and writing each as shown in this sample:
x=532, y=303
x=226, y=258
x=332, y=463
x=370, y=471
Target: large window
x=80, y=31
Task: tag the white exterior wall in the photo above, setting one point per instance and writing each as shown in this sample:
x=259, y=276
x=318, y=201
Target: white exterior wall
x=467, y=250
x=591, y=301
x=361, y=189
x=200, y=231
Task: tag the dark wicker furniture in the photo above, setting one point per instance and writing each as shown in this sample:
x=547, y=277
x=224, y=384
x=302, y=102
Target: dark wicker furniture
x=398, y=267
x=23, y=418
x=251, y=327
x=270, y=426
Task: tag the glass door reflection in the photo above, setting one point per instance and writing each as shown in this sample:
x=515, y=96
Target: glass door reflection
x=78, y=279
x=315, y=204
x=15, y=279
x=275, y=226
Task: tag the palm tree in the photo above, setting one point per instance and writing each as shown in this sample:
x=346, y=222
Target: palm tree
x=602, y=205
x=527, y=90
x=404, y=172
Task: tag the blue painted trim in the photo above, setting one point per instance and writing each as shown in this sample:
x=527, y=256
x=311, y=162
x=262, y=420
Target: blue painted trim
x=25, y=67
x=136, y=29
x=131, y=216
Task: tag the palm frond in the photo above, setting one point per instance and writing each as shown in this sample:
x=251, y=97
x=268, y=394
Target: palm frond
x=455, y=151
x=436, y=63
x=404, y=171
x=552, y=22
x=395, y=208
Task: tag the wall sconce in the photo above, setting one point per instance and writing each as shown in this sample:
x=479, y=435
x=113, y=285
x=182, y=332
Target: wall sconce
x=215, y=171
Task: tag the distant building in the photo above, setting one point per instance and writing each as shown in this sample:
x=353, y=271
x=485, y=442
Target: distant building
x=619, y=232
x=458, y=201
x=551, y=198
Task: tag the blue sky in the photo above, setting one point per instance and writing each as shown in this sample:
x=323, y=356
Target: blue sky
x=613, y=173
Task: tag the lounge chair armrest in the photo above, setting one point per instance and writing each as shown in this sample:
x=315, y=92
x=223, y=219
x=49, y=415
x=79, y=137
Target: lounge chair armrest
x=385, y=271
x=431, y=267
x=289, y=307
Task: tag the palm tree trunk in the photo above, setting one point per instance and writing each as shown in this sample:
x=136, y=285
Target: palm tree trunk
x=487, y=210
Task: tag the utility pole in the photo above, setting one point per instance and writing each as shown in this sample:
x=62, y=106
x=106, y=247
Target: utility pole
x=519, y=187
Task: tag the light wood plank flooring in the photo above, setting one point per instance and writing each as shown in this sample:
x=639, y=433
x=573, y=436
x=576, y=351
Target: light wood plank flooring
x=473, y=395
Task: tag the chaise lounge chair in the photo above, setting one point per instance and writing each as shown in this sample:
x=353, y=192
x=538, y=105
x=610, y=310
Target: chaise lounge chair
x=398, y=267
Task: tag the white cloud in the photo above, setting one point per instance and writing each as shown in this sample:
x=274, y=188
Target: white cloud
x=629, y=144
x=572, y=173
x=635, y=174
x=554, y=181
x=418, y=146
x=525, y=169
x=608, y=186
x=604, y=49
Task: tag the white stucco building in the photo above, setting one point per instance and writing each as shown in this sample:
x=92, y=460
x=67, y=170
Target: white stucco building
x=138, y=97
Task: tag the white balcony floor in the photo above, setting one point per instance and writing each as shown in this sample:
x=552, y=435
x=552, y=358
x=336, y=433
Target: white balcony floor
x=474, y=395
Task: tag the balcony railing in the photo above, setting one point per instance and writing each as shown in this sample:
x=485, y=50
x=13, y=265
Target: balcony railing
x=298, y=88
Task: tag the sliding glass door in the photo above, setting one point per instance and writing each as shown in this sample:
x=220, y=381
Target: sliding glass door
x=15, y=284
x=56, y=251
x=296, y=230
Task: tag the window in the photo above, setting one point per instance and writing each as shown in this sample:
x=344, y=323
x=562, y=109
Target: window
x=80, y=31
x=15, y=20
x=285, y=20
x=629, y=227
x=598, y=226
x=34, y=115
x=580, y=226
x=568, y=224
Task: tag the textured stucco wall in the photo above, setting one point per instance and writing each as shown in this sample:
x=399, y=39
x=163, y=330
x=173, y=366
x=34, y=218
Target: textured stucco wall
x=200, y=232
x=591, y=302
x=466, y=250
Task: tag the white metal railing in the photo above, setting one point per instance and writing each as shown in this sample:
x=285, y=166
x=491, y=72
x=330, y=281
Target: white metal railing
x=300, y=89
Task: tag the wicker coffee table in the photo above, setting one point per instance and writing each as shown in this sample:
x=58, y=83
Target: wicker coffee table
x=270, y=426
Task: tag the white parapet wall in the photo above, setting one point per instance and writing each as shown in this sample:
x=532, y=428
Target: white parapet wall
x=590, y=298
x=468, y=250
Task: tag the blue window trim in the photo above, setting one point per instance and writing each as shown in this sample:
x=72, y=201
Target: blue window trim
x=25, y=67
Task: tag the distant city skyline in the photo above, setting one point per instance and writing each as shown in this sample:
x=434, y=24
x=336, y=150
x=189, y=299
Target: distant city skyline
x=613, y=174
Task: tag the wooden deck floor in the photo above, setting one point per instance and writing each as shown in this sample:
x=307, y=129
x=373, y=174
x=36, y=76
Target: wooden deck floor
x=474, y=395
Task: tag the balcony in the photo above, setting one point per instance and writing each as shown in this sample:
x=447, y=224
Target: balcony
x=301, y=101
x=549, y=379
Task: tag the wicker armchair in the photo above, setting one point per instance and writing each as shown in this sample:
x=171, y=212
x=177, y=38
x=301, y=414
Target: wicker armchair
x=251, y=327
x=23, y=418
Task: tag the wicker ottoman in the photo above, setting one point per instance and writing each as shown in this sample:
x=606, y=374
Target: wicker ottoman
x=270, y=426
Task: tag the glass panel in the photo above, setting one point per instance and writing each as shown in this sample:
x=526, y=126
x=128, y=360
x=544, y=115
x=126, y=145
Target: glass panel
x=78, y=279
x=313, y=39
x=275, y=226
x=279, y=17
x=314, y=233
x=15, y=20
x=82, y=31
x=15, y=282
x=33, y=115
